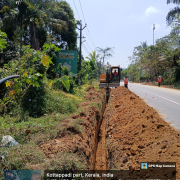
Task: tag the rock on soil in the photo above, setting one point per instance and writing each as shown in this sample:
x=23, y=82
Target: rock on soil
x=138, y=133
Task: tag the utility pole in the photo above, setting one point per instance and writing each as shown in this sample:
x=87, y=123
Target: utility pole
x=80, y=48
x=153, y=33
x=153, y=42
x=80, y=43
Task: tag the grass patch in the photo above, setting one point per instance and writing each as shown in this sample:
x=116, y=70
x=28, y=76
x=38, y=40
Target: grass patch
x=18, y=156
x=66, y=161
x=76, y=123
x=59, y=106
x=98, y=105
x=43, y=125
x=58, y=101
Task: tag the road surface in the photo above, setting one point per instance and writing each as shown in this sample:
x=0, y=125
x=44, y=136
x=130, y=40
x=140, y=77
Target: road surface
x=166, y=101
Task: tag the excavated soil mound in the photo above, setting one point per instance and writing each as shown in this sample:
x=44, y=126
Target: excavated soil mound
x=136, y=133
x=80, y=132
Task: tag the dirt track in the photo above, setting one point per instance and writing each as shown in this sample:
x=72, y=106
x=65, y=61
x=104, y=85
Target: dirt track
x=131, y=132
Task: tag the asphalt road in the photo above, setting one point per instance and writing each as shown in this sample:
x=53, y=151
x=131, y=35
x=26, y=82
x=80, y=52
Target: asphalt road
x=166, y=101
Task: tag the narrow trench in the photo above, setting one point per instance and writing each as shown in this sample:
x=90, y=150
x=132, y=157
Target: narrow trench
x=101, y=153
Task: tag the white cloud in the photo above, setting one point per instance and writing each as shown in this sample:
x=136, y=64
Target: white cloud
x=157, y=27
x=151, y=10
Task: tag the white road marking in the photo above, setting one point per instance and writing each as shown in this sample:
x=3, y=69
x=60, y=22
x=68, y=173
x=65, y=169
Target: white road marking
x=161, y=97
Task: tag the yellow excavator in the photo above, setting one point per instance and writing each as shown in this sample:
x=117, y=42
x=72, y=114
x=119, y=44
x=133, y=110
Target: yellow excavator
x=110, y=79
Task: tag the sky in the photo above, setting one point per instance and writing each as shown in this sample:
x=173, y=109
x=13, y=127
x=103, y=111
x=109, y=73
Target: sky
x=120, y=24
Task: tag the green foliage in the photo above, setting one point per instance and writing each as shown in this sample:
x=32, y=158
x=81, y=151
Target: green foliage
x=177, y=73
x=171, y=16
x=177, y=84
x=106, y=53
x=124, y=73
x=65, y=83
x=32, y=22
x=52, y=52
x=65, y=70
x=34, y=101
x=59, y=103
x=28, y=90
x=89, y=69
x=148, y=62
x=64, y=12
x=2, y=40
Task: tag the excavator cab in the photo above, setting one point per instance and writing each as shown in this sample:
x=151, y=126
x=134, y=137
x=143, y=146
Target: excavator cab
x=115, y=71
x=111, y=78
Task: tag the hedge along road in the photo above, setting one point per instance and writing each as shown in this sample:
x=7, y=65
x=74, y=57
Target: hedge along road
x=166, y=101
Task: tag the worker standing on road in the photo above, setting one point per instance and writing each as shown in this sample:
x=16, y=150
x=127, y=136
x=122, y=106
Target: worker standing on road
x=159, y=80
x=126, y=82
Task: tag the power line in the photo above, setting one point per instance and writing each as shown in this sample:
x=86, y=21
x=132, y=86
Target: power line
x=79, y=19
x=90, y=40
x=85, y=21
x=91, y=37
x=88, y=46
x=76, y=10
x=82, y=10
x=86, y=49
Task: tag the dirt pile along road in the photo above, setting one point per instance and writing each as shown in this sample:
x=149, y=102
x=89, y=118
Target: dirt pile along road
x=136, y=133
x=117, y=135
x=80, y=132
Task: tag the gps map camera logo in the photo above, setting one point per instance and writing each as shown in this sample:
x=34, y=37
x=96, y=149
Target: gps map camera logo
x=143, y=165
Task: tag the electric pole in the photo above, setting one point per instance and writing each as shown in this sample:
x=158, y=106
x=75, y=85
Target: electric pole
x=80, y=44
x=153, y=33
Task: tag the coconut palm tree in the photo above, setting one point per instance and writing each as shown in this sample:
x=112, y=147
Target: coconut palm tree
x=171, y=16
x=27, y=15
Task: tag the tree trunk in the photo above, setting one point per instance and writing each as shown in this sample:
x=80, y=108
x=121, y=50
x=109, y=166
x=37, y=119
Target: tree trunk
x=174, y=62
x=33, y=40
x=21, y=35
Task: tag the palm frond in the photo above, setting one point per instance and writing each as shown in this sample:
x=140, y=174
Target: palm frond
x=59, y=22
x=171, y=16
x=173, y=1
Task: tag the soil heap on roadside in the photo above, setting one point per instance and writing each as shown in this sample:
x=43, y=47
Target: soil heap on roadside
x=136, y=133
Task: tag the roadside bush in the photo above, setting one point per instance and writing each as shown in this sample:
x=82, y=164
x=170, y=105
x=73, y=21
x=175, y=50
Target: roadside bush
x=177, y=84
x=52, y=52
x=177, y=73
x=32, y=68
x=65, y=83
x=3, y=90
x=34, y=101
x=58, y=101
